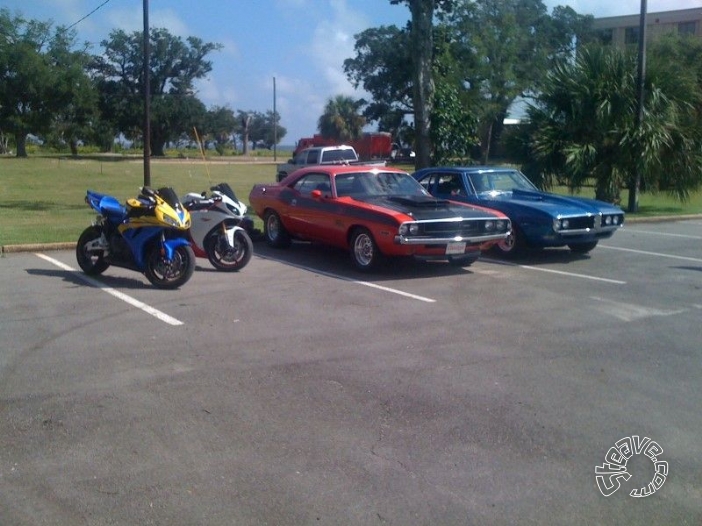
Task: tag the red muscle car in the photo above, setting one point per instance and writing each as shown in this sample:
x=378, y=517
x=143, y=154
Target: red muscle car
x=374, y=213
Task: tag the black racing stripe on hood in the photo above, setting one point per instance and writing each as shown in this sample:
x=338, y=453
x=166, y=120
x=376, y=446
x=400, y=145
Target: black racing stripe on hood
x=422, y=208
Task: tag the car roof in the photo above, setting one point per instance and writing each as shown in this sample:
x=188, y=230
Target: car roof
x=345, y=168
x=468, y=169
x=329, y=147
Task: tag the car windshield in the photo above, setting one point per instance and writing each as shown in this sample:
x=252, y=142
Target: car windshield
x=377, y=183
x=500, y=181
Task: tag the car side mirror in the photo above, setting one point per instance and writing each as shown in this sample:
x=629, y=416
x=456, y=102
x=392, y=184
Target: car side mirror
x=316, y=194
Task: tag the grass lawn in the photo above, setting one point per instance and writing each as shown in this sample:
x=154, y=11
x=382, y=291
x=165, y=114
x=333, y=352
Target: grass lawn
x=42, y=198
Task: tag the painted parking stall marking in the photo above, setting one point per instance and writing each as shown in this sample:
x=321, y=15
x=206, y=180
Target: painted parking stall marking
x=559, y=272
x=113, y=292
x=630, y=312
x=357, y=282
x=662, y=234
x=655, y=254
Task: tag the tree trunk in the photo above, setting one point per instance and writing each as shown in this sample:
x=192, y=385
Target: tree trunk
x=245, y=123
x=158, y=142
x=423, y=44
x=608, y=192
x=488, y=142
x=3, y=143
x=21, y=141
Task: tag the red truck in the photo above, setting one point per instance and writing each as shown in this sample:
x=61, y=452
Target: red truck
x=370, y=146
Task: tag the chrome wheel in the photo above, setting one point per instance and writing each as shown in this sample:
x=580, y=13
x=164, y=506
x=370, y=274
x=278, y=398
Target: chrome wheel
x=275, y=233
x=364, y=252
x=512, y=245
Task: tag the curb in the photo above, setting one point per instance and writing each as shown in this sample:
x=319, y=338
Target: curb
x=11, y=249
x=660, y=219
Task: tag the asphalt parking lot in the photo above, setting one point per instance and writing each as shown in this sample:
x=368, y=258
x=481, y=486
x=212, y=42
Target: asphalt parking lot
x=299, y=391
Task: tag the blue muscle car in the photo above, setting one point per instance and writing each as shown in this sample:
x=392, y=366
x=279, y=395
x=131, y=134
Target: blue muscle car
x=539, y=219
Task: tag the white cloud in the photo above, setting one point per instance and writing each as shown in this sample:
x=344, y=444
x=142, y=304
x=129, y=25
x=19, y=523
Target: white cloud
x=131, y=20
x=333, y=41
x=229, y=48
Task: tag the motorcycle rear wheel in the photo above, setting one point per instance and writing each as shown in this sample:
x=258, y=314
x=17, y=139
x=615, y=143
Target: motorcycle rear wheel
x=164, y=274
x=92, y=263
x=226, y=258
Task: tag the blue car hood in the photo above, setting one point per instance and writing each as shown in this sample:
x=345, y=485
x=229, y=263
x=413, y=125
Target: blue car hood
x=551, y=204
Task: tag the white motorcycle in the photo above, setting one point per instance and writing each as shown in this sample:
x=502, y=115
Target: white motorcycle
x=219, y=228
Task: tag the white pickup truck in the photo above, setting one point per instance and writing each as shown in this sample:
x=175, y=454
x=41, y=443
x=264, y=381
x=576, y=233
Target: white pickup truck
x=321, y=155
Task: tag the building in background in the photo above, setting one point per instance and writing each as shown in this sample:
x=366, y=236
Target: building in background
x=623, y=30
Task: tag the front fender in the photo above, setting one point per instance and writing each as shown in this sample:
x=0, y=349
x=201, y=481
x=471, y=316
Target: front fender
x=230, y=230
x=229, y=227
x=170, y=245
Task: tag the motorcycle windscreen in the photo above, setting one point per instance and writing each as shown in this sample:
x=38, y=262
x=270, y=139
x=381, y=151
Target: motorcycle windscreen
x=226, y=190
x=169, y=196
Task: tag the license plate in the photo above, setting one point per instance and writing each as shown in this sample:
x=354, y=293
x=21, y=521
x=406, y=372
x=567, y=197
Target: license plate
x=456, y=247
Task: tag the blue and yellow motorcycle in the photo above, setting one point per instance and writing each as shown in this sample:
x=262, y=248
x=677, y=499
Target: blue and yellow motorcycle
x=149, y=235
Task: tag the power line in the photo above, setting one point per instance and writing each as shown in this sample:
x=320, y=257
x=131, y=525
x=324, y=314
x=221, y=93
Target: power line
x=88, y=15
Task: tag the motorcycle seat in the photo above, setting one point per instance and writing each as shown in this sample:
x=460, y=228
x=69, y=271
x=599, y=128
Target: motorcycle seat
x=110, y=207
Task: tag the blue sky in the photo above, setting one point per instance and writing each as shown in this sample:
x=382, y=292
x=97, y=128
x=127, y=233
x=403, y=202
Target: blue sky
x=300, y=43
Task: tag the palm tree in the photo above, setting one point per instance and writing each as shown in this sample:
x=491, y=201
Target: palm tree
x=341, y=119
x=583, y=126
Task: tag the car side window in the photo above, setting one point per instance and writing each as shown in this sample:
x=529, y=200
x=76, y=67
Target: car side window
x=449, y=184
x=430, y=182
x=301, y=157
x=313, y=157
x=315, y=181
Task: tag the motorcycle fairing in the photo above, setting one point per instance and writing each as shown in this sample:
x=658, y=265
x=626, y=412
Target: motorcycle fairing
x=137, y=239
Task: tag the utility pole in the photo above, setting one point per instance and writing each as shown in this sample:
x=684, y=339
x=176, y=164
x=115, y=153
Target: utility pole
x=147, y=98
x=636, y=184
x=275, y=126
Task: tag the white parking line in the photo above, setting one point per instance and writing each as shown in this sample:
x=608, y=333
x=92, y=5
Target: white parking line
x=552, y=271
x=357, y=282
x=656, y=254
x=631, y=312
x=664, y=234
x=117, y=294
x=394, y=291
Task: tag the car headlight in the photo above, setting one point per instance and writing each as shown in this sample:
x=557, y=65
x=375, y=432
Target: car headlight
x=500, y=225
x=561, y=224
x=615, y=220
x=409, y=228
x=608, y=220
x=489, y=226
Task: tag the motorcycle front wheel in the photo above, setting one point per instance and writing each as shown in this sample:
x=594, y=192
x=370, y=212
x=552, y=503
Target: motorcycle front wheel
x=226, y=258
x=91, y=262
x=164, y=274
